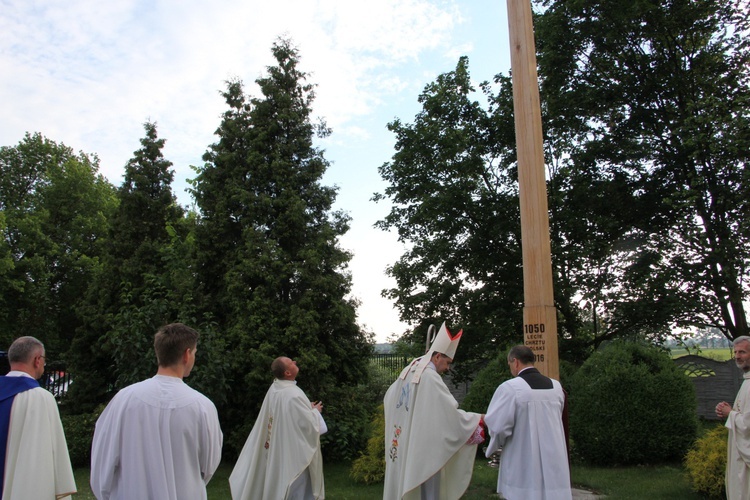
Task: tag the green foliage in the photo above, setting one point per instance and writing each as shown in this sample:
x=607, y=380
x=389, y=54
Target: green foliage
x=706, y=463
x=369, y=468
x=348, y=410
x=144, y=281
x=379, y=378
x=54, y=208
x=648, y=133
x=484, y=385
x=454, y=201
x=79, y=433
x=630, y=404
x=409, y=346
x=270, y=271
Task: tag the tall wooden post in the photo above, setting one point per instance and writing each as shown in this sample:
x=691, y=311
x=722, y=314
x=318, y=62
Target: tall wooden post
x=539, y=314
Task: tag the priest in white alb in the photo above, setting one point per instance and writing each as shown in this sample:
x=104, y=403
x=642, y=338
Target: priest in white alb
x=737, y=477
x=281, y=459
x=430, y=444
x=525, y=421
x=158, y=438
x=34, y=459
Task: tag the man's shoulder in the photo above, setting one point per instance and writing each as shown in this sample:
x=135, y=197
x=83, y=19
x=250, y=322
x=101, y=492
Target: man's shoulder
x=37, y=396
x=431, y=376
x=514, y=383
x=152, y=392
x=200, y=398
x=174, y=388
x=142, y=386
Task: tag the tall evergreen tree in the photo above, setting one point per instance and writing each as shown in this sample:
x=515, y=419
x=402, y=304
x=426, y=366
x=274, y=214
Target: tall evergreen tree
x=270, y=267
x=147, y=209
x=133, y=293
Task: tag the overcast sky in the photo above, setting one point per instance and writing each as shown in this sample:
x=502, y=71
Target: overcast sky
x=89, y=73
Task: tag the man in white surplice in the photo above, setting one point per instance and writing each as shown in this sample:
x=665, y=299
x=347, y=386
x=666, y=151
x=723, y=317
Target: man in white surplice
x=525, y=420
x=35, y=460
x=430, y=444
x=158, y=438
x=737, y=477
x=281, y=459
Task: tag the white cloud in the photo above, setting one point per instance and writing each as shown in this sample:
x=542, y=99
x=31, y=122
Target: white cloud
x=89, y=73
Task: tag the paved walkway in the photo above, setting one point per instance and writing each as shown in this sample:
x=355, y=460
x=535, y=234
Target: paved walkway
x=579, y=494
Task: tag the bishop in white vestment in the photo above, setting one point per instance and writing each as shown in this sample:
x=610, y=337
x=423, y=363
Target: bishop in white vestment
x=430, y=444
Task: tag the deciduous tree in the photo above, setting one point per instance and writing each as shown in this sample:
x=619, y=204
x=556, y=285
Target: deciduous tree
x=53, y=213
x=652, y=99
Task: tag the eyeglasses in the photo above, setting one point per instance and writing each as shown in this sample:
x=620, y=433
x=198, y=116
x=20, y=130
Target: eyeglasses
x=44, y=358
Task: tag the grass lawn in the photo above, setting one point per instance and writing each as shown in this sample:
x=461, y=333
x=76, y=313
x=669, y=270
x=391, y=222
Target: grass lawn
x=717, y=354
x=627, y=483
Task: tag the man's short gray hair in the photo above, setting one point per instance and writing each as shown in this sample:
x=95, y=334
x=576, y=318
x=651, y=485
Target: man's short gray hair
x=741, y=338
x=23, y=349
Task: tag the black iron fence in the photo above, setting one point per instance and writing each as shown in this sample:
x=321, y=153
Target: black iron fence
x=386, y=367
x=56, y=379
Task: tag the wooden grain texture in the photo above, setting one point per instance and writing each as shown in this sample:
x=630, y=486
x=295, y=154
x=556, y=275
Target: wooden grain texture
x=537, y=261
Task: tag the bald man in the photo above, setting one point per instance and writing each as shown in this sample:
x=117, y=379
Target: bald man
x=281, y=458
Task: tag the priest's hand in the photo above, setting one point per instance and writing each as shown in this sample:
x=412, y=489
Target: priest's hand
x=318, y=405
x=723, y=409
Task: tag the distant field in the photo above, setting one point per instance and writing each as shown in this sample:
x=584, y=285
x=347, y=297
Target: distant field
x=719, y=354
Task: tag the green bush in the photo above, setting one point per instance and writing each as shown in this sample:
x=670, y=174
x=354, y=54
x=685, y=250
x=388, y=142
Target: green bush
x=370, y=466
x=630, y=405
x=484, y=385
x=347, y=415
x=494, y=373
x=706, y=463
x=79, y=433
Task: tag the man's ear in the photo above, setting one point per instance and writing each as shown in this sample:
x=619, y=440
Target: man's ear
x=186, y=356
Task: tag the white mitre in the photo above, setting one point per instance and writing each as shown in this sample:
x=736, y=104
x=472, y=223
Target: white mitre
x=444, y=343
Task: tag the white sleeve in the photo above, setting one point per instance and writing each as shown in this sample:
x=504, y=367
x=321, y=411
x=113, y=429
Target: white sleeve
x=212, y=440
x=105, y=451
x=500, y=417
x=323, y=426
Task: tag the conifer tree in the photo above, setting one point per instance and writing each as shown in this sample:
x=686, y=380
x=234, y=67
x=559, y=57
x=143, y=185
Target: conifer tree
x=271, y=271
x=134, y=293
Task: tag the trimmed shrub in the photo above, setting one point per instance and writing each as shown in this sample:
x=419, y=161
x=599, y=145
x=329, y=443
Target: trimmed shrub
x=79, y=433
x=370, y=466
x=495, y=372
x=630, y=405
x=706, y=463
x=484, y=385
x=347, y=414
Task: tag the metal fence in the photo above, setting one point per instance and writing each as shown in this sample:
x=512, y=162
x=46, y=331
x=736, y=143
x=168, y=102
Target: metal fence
x=56, y=379
x=386, y=367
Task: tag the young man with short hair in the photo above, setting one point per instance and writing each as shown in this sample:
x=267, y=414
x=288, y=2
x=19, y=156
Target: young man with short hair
x=158, y=438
